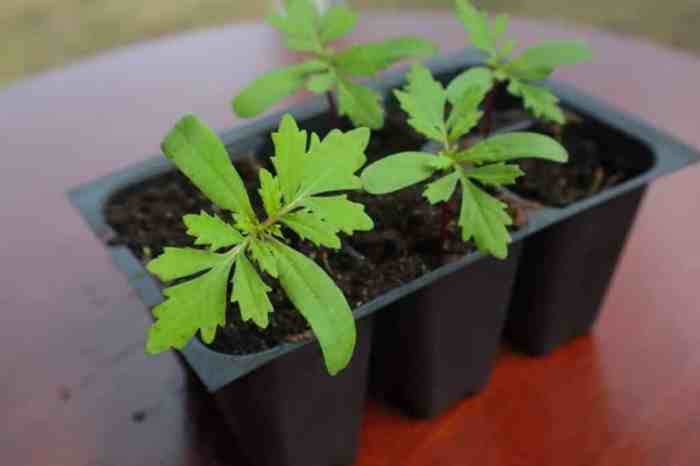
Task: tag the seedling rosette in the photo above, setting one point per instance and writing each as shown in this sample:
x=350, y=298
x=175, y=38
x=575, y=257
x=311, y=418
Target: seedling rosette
x=309, y=32
x=521, y=73
x=246, y=252
x=482, y=218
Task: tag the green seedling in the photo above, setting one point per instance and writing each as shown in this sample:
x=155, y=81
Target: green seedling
x=522, y=73
x=327, y=69
x=244, y=253
x=482, y=217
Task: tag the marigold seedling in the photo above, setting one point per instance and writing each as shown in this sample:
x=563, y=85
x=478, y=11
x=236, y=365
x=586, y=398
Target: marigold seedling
x=522, y=73
x=482, y=217
x=309, y=32
x=241, y=249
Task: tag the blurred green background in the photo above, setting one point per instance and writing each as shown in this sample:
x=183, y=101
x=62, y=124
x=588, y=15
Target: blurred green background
x=37, y=35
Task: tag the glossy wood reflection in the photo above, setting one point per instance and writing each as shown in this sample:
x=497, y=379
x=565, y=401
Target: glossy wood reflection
x=76, y=388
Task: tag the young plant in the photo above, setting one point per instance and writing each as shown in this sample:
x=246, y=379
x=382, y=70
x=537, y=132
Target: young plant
x=482, y=217
x=309, y=32
x=237, y=250
x=521, y=73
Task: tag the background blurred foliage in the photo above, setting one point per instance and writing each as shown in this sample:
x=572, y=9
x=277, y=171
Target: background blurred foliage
x=40, y=34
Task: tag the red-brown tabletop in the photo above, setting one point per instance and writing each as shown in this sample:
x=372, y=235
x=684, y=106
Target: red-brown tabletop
x=77, y=389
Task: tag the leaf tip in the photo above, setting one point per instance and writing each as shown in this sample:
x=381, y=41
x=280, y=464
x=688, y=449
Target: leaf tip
x=239, y=108
x=360, y=137
x=500, y=254
x=189, y=119
x=288, y=121
x=370, y=183
x=208, y=334
x=153, y=345
x=153, y=266
x=174, y=139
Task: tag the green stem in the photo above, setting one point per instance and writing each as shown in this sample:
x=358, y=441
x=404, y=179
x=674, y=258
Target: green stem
x=233, y=253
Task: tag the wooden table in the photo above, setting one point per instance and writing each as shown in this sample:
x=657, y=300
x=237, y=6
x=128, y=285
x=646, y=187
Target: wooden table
x=77, y=389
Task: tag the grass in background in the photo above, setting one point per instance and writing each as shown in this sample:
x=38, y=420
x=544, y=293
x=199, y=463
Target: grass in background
x=37, y=35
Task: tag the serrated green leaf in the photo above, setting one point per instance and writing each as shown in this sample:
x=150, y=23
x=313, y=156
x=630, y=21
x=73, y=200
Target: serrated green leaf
x=250, y=292
x=496, y=174
x=462, y=120
x=539, y=100
x=314, y=142
x=299, y=23
x=176, y=263
x=273, y=86
x=290, y=151
x=343, y=214
x=211, y=230
x=198, y=304
x=201, y=156
x=540, y=61
x=441, y=189
x=331, y=163
x=310, y=226
x=441, y=162
x=321, y=82
x=336, y=23
x=270, y=192
x=479, y=77
x=370, y=58
x=264, y=257
x=512, y=146
x=360, y=103
x=424, y=100
x=476, y=23
x=321, y=303
x=465, y=113
x=484, y=218
x=397, y=171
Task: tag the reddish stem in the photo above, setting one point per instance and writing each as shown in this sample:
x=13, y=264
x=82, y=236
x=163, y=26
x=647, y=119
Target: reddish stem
x=487, y=119
x=333, y=109
x=446, y=211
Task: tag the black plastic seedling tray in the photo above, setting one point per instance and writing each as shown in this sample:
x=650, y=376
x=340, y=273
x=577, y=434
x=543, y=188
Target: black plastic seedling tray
x=439, y=344
x=568, y=254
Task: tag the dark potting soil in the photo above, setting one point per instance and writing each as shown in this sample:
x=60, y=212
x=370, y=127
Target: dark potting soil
x=593, y=166
x=585, y=174
x=404, y=245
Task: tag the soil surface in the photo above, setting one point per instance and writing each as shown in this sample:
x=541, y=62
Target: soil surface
x=584, y=175
x=404, y=245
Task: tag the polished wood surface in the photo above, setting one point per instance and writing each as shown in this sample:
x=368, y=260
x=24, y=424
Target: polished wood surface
x=77, y=389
